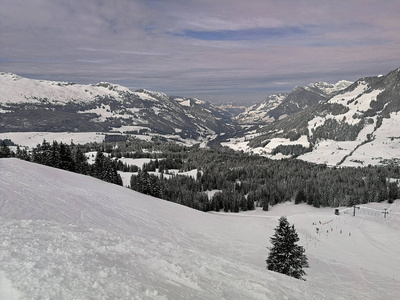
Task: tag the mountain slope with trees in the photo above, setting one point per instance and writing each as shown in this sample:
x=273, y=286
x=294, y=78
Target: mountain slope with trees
x=279, y=106
x=358, y=126
x=242, y=181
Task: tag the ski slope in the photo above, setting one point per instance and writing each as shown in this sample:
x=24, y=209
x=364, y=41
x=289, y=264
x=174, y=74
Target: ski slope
x=70, y=236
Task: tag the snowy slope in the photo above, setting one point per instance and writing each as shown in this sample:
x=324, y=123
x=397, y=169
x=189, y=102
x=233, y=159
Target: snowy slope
x=258, y=113
x=69, y=236
x=357, y=126
x=15, y=89
x=328, y=89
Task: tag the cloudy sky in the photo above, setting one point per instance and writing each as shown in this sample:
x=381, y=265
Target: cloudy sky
x=216, y=50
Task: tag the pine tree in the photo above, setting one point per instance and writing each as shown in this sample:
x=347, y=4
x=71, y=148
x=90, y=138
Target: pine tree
x=393, y=191
x=22, y=154
x=285, y=256
x=80, y=160
x=300, y=197
x=4, y=150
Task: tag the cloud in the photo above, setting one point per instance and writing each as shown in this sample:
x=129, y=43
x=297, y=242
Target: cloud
x=234, y=49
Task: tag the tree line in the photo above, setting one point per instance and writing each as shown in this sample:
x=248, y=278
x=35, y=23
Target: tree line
x=245, y=180
x=240, y=181
x=67, y=157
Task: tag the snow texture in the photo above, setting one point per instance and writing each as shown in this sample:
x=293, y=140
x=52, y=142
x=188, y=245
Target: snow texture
x=70, y=236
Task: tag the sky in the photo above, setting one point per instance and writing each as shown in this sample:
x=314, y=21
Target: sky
x=219, y=51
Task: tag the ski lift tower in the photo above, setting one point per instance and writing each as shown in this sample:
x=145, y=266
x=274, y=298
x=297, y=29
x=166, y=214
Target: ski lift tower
x=354, y=210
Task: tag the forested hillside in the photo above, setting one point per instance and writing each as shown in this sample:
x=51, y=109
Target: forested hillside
x=239, y=181
x=243, y=180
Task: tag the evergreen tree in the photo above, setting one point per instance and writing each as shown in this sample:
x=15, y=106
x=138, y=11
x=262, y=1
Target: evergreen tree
x=79, y=160
x=285, y=256
x=65, y=156
x=104, y=169
x=4, y=150
x=300, y=197
x=393, y=191
x=22, y=154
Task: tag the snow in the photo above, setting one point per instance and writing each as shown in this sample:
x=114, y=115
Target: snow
x=259, y=112
x=329, y=152
x=7, y=291
x=357, y=101
x=191, y=173
x=329, y=88
x=150, y=96
x=385, y=146
x=128, y=128
x=70, y=236
x=350, y=95
x=139, y=162
x=135, y=161
x=104, y=113
x=371, y=147
x=211, y=193
x=32, y=139
x=241, y=144
x=281, y=117
x=56, y=92
x=183, y=102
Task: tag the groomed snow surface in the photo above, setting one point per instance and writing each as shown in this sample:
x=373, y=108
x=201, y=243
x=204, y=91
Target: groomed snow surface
x=69, y=236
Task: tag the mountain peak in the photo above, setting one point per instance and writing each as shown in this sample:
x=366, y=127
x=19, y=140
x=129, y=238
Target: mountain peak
x=10, y=76
x=153, y=94
x=328, y=89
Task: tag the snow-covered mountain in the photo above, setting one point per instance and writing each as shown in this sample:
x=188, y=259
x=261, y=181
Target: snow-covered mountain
x=321, y=122
x=259, y=113
x=70, y=236
x=327, y=89
x=358, y=126
x=279, y=106
x=40, y=105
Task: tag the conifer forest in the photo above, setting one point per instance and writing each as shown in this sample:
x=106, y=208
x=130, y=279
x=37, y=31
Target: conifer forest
x=240, y=181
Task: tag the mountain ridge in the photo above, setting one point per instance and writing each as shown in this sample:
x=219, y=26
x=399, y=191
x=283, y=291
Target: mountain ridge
x=357, y=126
x=320, y=122
x=278, y=106
x=40, y=105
